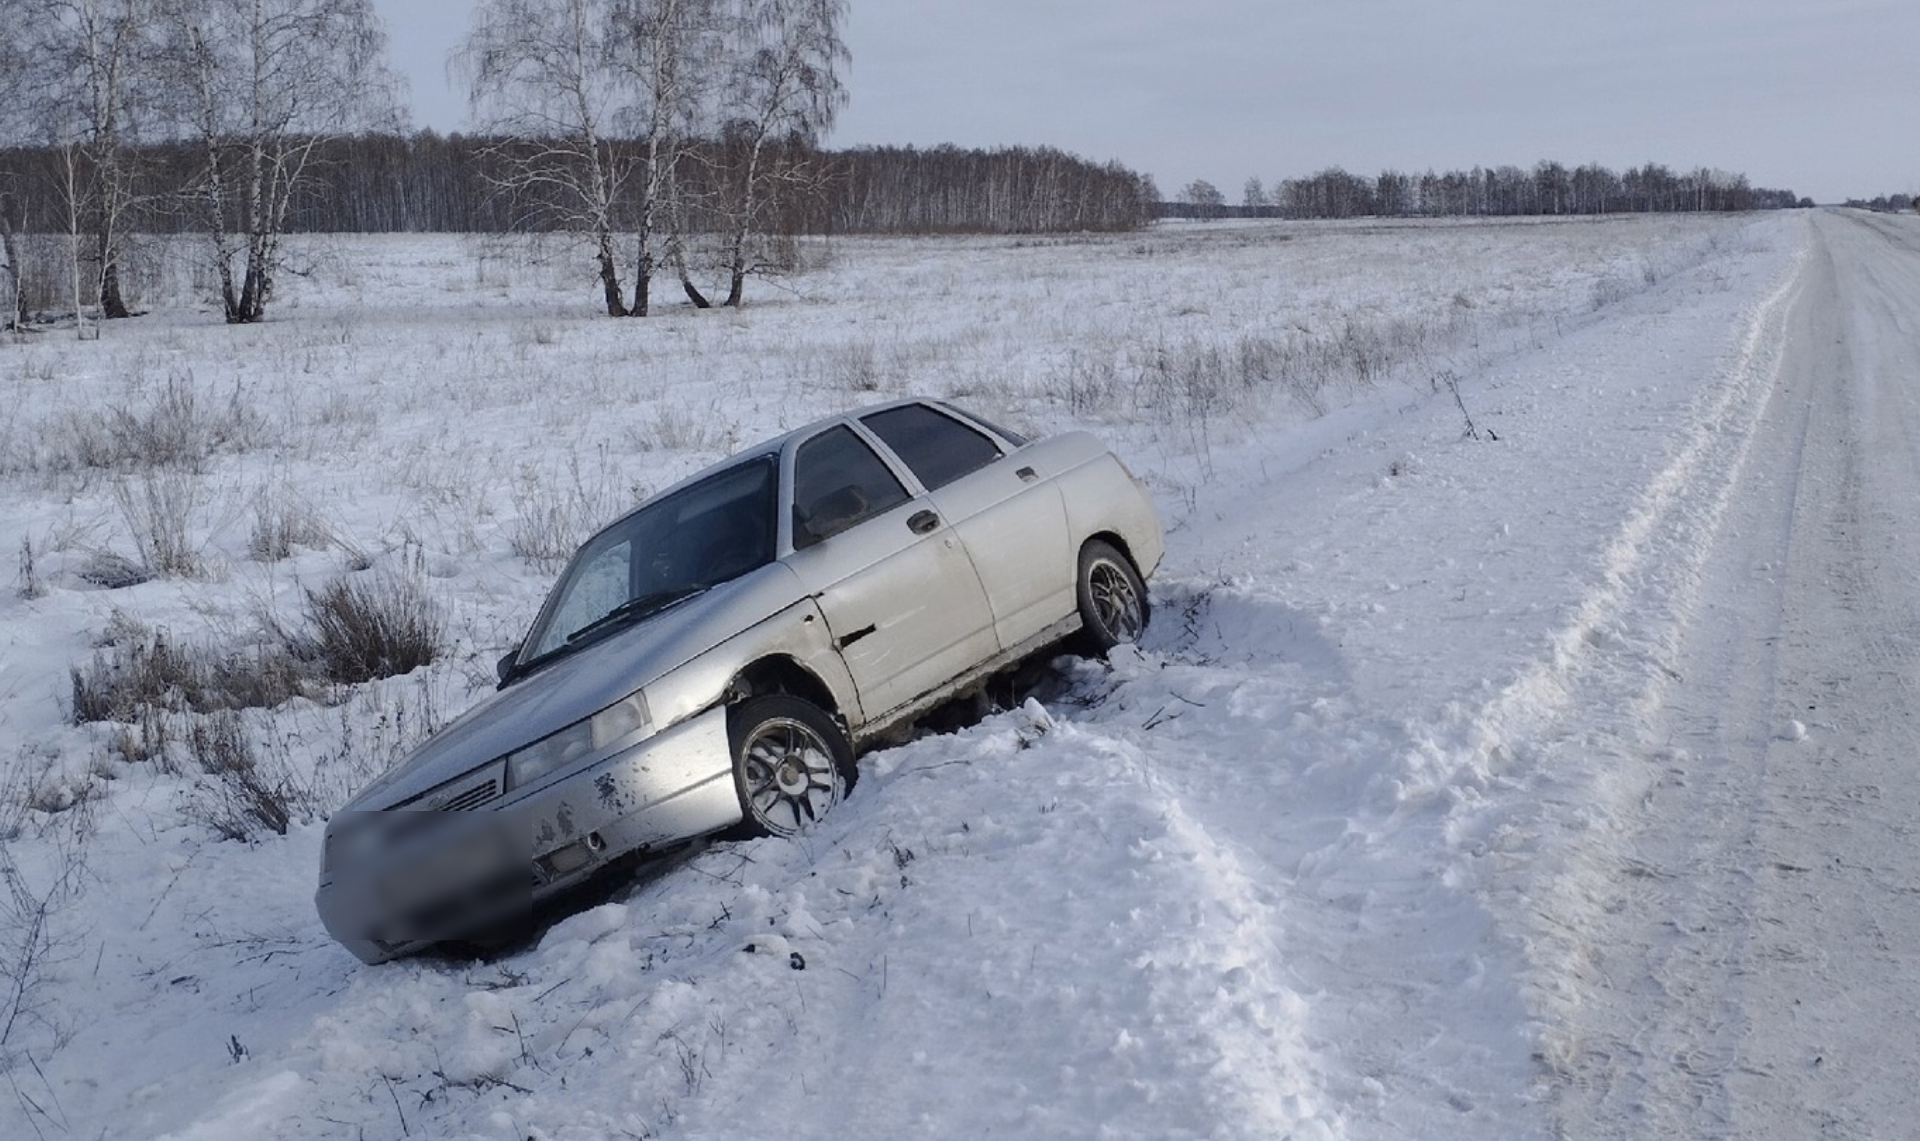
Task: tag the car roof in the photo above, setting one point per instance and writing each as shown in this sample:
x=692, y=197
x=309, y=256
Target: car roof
x=780, y=443
x=773, y=447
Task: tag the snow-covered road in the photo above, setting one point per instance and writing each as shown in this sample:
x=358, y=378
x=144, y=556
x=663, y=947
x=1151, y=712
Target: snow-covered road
x=1760, y=977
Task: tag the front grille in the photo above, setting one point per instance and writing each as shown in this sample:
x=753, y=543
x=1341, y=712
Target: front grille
x=472, y=798
x=463, y=794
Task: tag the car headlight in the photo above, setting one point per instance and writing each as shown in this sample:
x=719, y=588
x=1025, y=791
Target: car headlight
x=554, y=752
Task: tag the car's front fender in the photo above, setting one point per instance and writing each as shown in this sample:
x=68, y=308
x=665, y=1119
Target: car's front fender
x=797, y=637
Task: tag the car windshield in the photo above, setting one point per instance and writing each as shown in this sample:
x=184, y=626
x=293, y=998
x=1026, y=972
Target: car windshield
x=669, y=550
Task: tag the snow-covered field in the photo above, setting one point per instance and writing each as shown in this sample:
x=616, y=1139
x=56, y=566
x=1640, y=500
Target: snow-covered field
x=1348, y=849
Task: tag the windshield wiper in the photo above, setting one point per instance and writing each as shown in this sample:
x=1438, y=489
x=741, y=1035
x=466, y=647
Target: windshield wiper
x=634, y=609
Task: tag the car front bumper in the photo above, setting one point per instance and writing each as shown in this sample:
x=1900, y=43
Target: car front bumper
x=419, y=877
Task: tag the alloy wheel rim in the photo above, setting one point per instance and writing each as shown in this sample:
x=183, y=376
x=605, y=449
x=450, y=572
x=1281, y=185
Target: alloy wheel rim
x=792, y=780
x=1115, y=603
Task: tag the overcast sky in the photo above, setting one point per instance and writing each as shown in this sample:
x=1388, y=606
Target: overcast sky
x=1817, y=96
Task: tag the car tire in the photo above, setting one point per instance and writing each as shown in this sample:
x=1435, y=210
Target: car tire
x=791, y=764
x=1112, y=598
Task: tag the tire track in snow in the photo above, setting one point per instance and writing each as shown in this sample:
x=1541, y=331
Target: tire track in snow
x=1719, y=930
x=1571, y=728
x=1651, y=1047
x=1676, y=518
x=1268, y=760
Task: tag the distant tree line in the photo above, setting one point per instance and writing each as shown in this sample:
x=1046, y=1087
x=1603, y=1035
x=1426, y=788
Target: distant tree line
x=432, y=183
x=1550, y=188
x=1886, y=203
x=1011, y=190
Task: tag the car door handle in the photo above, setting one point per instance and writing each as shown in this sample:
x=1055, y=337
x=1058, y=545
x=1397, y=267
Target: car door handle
x=923, y=522
x=1026, y=474
x=850, y=639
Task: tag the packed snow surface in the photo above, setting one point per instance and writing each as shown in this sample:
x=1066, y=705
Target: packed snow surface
x=1522, y=745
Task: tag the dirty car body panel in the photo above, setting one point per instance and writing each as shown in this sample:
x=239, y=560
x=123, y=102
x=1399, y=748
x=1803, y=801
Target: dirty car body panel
x=870, y=565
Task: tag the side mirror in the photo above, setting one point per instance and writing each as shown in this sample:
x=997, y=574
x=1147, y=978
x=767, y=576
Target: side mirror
x=504, y=667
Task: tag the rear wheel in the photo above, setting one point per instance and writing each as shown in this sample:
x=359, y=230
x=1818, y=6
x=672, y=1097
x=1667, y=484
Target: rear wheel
x=791, y=764
x=1112, y=598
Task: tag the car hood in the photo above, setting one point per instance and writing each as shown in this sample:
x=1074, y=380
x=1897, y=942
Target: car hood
x=583, y=683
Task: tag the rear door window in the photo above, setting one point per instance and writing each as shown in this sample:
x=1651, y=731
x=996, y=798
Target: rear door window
x=937, y=447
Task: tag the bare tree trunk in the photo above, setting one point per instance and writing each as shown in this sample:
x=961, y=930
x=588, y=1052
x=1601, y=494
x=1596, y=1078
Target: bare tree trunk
x=649, y=205
x=10, y=245
x=601, y=184
x=72, y=172
x=109, y=206
x=253, y=288
x=610, y=278
x=692, y=291
x=248, y=309
x=677, y=253
x=215, y=186
x=743, y=224
x=112, y=306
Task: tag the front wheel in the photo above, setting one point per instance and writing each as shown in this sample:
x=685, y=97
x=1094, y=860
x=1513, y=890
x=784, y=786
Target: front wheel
x=1112, y=598
x=791, y=764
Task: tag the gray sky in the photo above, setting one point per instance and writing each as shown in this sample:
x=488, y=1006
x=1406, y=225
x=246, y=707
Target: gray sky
x=1817, y=96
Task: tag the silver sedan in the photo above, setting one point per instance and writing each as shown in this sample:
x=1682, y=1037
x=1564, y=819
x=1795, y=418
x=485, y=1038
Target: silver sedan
x=713, y=659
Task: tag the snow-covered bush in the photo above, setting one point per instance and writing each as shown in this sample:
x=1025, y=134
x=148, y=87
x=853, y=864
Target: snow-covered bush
x=147, y=670
x=365, y=628
x=178, y=429
x=158, y=508
x=238, y=795
x=282, y=522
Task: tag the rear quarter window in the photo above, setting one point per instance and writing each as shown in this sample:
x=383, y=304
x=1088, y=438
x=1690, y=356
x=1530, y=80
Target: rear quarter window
x=937, y=447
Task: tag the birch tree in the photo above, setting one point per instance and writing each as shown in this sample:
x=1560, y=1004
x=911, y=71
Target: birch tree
x=544, y=74
x=83, y=62
x=1203, y=199
x=595, y=100
x=263, y=85
x=782, y=96
x=672, y=50
x=110, y=46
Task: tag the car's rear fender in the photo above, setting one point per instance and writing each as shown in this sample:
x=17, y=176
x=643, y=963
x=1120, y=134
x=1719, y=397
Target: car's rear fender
x=1104, y=501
